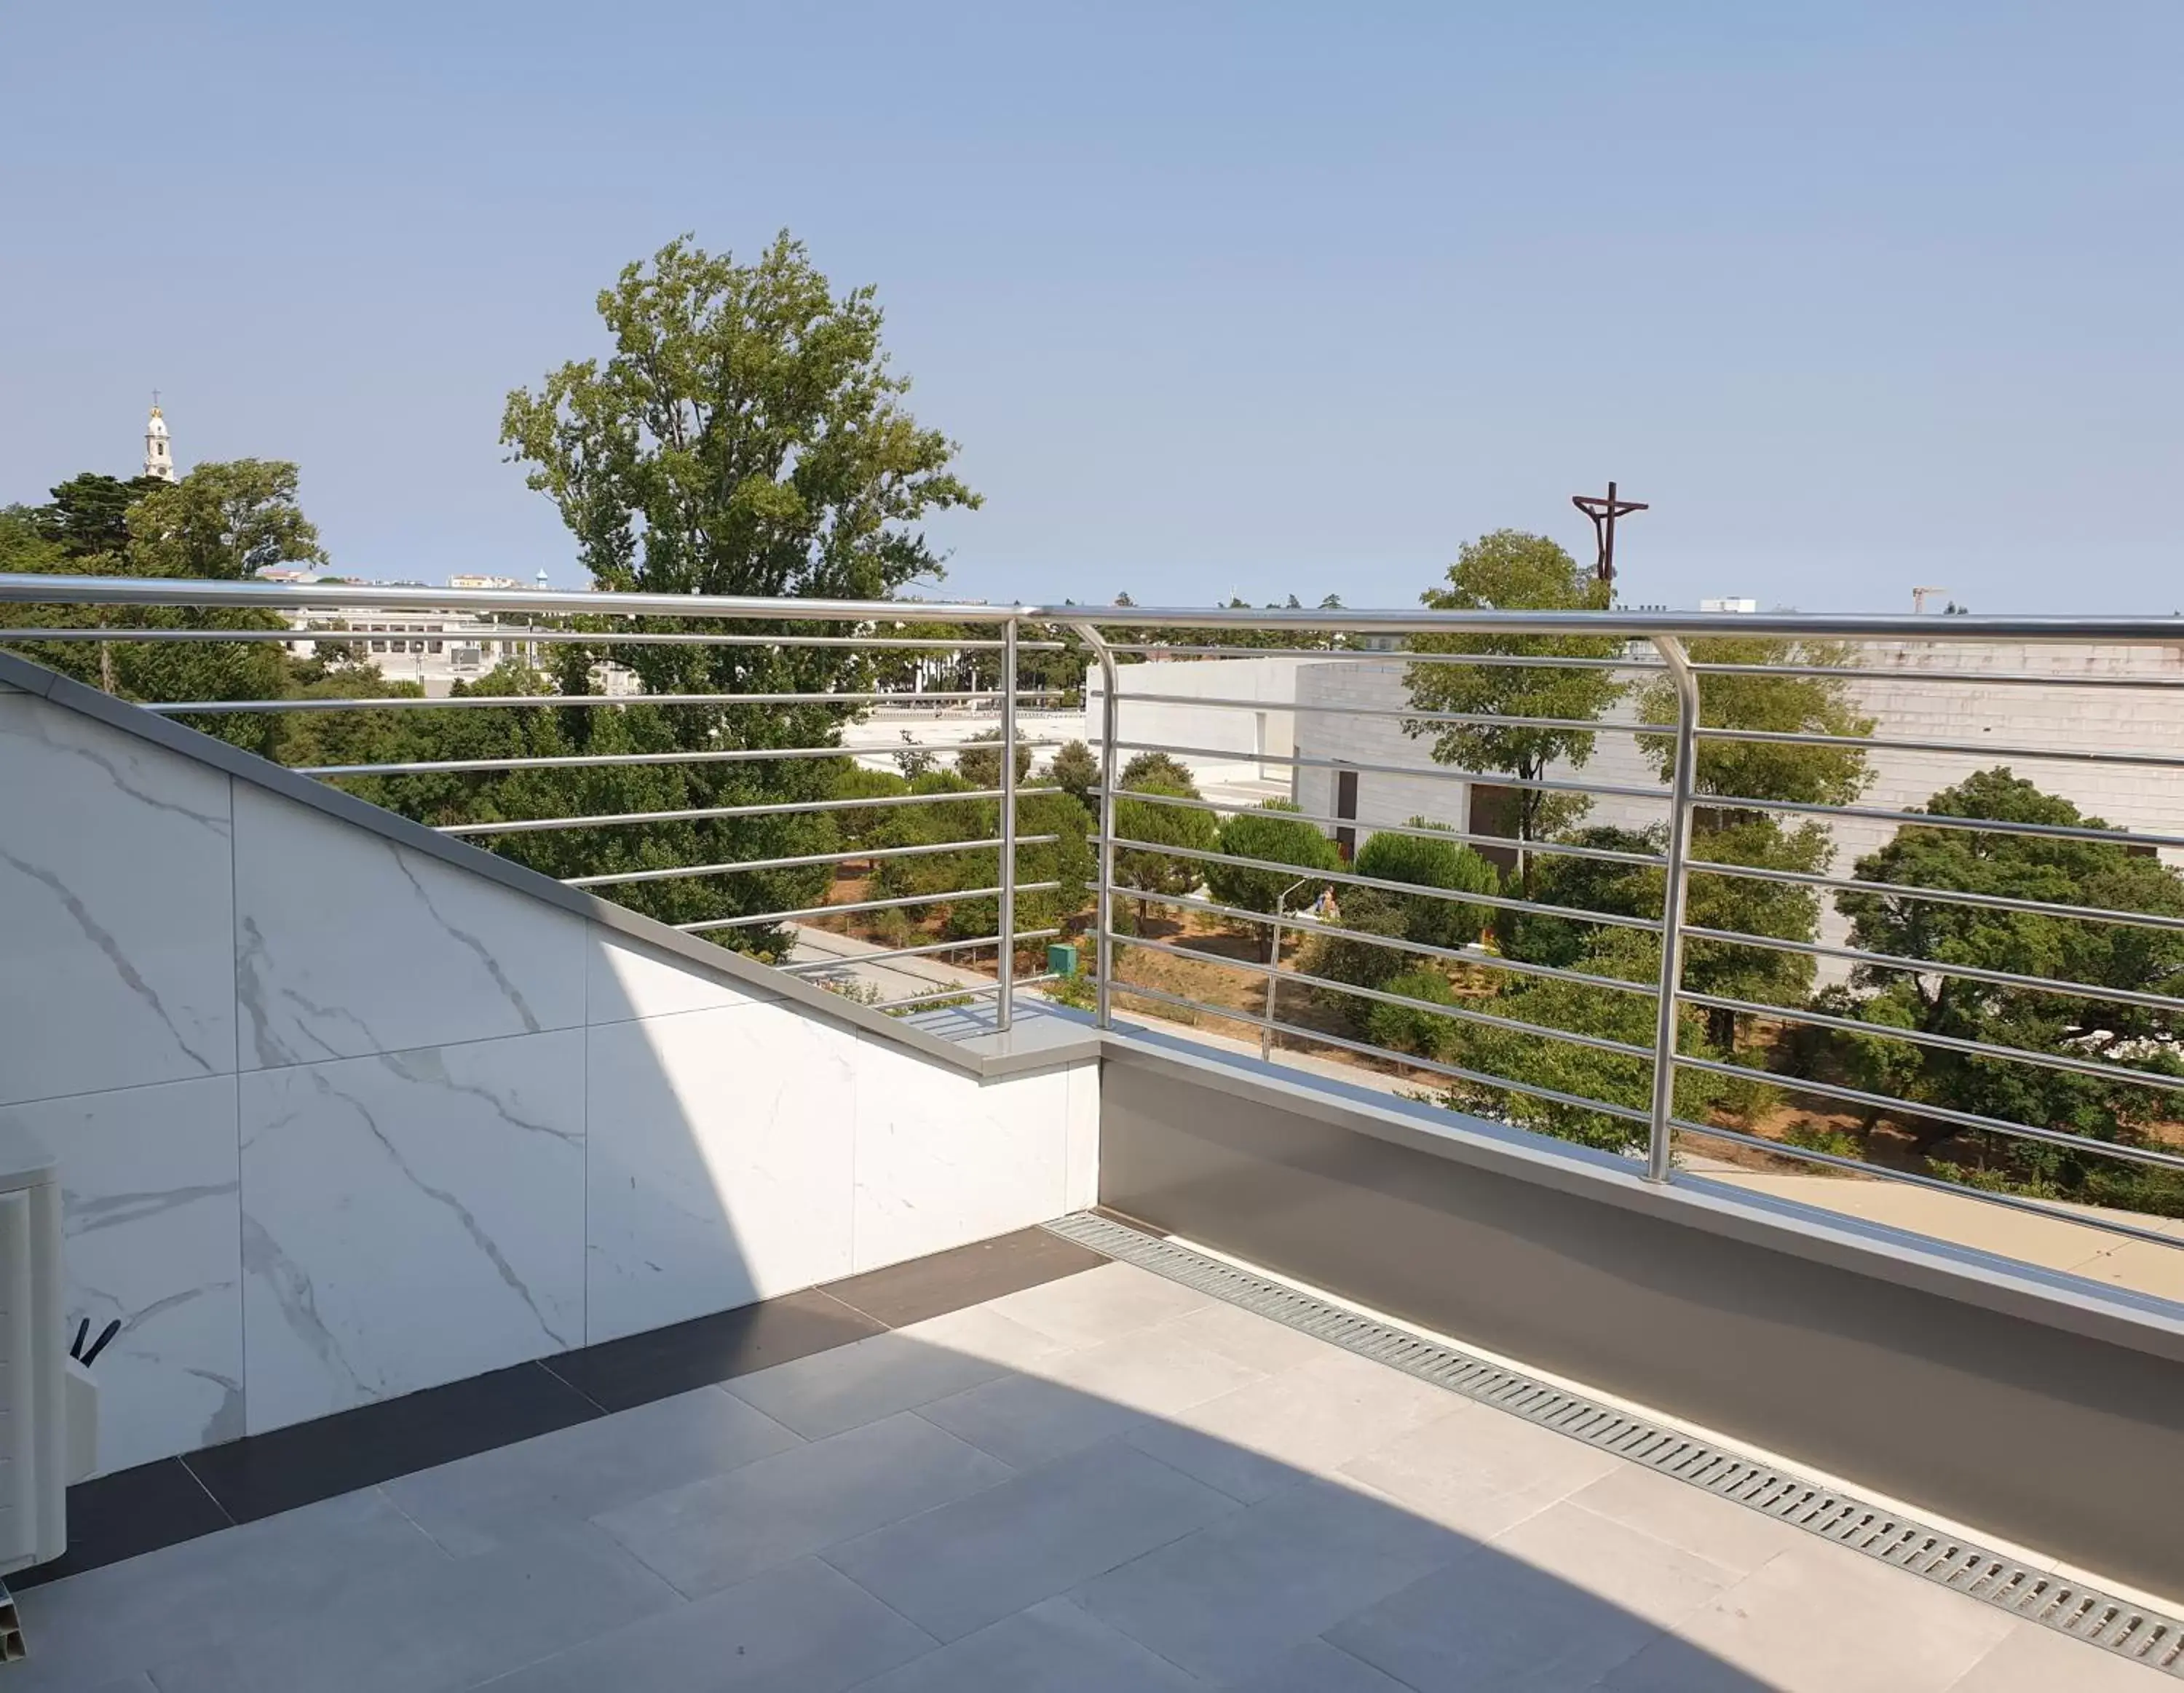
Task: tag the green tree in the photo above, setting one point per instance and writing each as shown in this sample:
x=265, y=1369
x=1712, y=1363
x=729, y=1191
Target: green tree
x=2103, y=875
x=1170, y=772
x=1509, y=571
x=1361, y=961
x=979, y=763
x=1405, y=1028
x=1586, y=1073
x=1266, y=833
x=746, y=436
x=87, y=516
x=1076, y=772
x=1430, y=863
x=222, y=523
x=1147, y=868
x=220, y=520
x=1729, y=833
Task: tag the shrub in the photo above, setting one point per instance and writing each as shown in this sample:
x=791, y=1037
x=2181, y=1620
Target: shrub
x=1152, y=870
x=1266, y=833
x=1430, y=863
x=1076, y=772
x=1362, y=963
x=979, y=762
x=1402, y=1028
x=1152, y=770
x=862, y=825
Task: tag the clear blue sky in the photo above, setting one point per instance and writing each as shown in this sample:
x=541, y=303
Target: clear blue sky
x=1258, y=299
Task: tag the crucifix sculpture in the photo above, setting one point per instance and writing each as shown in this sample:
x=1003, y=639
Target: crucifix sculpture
x=1603, y=513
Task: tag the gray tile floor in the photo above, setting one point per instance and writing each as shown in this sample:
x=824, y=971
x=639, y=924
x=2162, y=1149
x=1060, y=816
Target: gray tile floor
x=1105, y=1483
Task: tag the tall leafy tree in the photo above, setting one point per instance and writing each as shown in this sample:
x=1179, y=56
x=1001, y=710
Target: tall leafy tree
x=1510, y=571
x=223, y=521
x=746, y=436
x=1725, y=833
x=2103, y=875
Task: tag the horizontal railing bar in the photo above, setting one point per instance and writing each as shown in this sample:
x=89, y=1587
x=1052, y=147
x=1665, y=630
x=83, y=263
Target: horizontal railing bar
x=1589, y=725
x=973, y=991
x=1490, y=660
x=1888, y=1102
x=1946, y=1043
x=1946, y=896
x=1444, y=773
x=856, y=854
x=2061, y=831
x=480, y=633
x=1784, y=738
x=783, y=808
x=405, y=701
x=851, y=961
x=1622, y=1049
x=593, y=760
x=1631, y=625
x=549, y=602
x=1957, y=1189
x=1497, y=901
x=1478, y=718
x=2025, y=678
x=1606, y=855
x=23, y=589
x=1298, y=922
x=1409, y=1061
x=1927, y=966
x=757, y=918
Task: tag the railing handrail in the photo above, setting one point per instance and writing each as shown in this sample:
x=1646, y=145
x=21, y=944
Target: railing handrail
x=1631, y=643
x=1634, y=626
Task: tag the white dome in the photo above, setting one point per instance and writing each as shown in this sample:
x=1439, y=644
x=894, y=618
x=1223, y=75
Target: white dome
x=158, y=425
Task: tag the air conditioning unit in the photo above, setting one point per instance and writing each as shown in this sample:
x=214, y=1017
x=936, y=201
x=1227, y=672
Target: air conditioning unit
x=48, y=1406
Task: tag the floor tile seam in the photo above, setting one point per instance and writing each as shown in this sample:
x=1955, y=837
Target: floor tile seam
x=205, y=1488
x=1736, y=1578
x=440, y=1546
x=1409, y=1686
x=1358, y=1484
x=1146, y=1647
x=1683, y=1618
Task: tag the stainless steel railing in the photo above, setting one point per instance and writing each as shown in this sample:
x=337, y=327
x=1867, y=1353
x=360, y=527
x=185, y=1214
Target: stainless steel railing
x=1134, y=713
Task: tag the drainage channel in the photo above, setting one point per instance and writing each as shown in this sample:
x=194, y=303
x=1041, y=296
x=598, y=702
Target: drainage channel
x=2085, y=1614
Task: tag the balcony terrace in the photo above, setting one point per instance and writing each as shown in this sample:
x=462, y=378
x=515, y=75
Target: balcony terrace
x=521, y=1288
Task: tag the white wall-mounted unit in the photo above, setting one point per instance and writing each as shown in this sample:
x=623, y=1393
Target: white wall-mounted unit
x=35, y=1461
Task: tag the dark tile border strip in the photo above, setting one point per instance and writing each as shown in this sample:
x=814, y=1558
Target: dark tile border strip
x=172, y=1500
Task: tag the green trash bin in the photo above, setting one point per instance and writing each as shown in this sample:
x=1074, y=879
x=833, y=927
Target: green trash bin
x=1061, y=958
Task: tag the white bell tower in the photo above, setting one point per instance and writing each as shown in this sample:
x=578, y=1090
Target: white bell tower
x=158, y=455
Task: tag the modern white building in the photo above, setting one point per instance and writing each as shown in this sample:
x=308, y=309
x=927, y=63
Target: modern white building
x=1341, y=720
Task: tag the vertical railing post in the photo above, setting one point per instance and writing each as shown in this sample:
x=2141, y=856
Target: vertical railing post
x=1109, y=734
x=1682, y=780
x=1005, y=1005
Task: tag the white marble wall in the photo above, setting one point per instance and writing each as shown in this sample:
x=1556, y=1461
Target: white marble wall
x=338, y=1121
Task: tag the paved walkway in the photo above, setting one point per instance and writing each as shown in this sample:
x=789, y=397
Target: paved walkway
x=1105, y=1483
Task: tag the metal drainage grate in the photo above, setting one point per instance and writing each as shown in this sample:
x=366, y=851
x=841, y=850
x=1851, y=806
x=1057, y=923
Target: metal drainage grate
x=2084, y=1614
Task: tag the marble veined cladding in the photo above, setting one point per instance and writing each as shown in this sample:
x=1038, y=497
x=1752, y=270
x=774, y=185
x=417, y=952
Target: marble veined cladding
x=116, y=916
x=942, y=1159
x=148, y=1181
x=629, y=979
x=409, y=1219
x=720, y=1161
x=347, y=944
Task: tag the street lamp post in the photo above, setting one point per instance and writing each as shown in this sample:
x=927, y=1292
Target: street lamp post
x=1275, y=964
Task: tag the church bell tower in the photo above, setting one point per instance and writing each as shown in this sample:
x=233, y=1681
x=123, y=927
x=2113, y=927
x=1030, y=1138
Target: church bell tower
x=158, y=455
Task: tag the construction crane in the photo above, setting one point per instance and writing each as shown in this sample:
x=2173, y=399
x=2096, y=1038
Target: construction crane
x=1919, y=597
